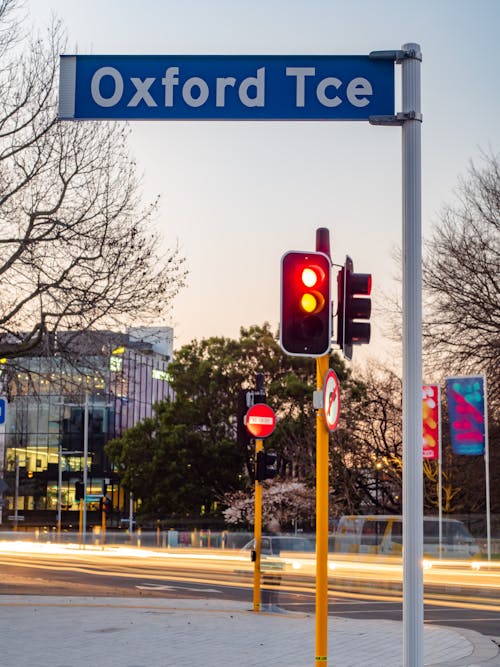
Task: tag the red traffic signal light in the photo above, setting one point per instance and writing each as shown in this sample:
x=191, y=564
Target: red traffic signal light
x=105, y=505
x=353, y=305
x=306, y=304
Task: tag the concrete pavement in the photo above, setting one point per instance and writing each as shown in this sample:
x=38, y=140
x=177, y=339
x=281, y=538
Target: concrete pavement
x=45, y=631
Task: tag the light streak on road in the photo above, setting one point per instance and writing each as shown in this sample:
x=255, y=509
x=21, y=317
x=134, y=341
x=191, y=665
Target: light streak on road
x=446, y=581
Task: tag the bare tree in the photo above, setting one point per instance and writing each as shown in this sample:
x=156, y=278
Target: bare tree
x=78, y=248
x=378, y=431
x=462, y=279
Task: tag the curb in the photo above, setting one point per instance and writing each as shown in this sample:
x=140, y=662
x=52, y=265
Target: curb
x=483, y=653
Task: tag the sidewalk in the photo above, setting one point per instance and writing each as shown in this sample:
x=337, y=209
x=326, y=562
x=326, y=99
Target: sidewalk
x=48, y=631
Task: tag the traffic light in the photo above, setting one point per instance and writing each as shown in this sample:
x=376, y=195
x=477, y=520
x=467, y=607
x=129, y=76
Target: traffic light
x=353, y=305
x=79, y=491
x=105, y=505
x=267, y=465
x=247, y=398
x=242, y=435
x=306, y=304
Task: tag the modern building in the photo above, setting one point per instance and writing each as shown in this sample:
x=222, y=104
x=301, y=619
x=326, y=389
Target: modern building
x=106, y=380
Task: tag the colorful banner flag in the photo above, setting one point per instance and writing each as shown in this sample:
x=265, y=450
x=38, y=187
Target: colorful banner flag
x=466, y=401
x=430, y=421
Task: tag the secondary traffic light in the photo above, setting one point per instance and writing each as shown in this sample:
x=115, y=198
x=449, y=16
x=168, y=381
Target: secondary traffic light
x=105, y=505
x=79, y=491
x=306, y=304
x=353, y=306
x=267, y=465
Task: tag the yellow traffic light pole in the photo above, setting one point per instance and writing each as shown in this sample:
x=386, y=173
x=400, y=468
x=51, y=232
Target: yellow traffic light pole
x=259, y=446
x=322, y=487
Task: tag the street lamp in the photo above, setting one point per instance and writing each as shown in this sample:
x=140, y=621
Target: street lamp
x=59, y=483
x=85, y=466
x=85, y=458
x=378, y=467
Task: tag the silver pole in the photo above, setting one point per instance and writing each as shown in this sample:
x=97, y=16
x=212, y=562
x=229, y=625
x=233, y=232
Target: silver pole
x=487, y=470
x=16, y=495
x=59, y=490
x=131, y=513
x=85, y=457
x=413, y=612
x=440, y=473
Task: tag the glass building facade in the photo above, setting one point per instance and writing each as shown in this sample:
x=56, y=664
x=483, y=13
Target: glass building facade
x=115, y=380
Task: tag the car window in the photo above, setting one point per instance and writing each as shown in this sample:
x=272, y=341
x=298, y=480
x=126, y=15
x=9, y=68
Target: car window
x=274, y=545
x=431, y=532
x=293, y=544
x=265, y=546
x=373, y=532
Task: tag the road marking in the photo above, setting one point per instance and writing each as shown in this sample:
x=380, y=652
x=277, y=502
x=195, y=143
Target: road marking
x=164, y=587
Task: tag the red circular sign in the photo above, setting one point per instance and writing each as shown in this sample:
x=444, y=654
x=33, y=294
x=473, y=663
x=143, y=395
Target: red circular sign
x=260, y=420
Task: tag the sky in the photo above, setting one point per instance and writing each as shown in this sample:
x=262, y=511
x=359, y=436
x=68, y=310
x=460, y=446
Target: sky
x=237, y=195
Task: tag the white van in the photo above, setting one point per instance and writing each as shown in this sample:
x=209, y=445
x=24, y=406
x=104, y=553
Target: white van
x=383, y=534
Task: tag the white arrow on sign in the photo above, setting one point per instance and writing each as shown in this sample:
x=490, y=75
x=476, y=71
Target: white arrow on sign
x=331, y=399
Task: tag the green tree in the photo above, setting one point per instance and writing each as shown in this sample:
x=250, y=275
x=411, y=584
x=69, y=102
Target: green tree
x=175, y=468
x=187, y=456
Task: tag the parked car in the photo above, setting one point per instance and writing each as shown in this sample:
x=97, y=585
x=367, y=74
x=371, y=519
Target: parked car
x=383, y=534
x=274, y=545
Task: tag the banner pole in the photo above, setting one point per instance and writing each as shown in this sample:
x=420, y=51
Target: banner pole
x=487, y=470
x=440, y=475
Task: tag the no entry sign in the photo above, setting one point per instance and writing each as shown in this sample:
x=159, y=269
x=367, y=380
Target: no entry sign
x=260, y=420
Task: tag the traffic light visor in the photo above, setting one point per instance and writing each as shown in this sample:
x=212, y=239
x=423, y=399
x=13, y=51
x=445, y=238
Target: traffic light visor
x=312, y=275
x=359, y=283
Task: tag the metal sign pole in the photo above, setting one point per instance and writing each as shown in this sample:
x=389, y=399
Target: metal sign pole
x=257, y=532
x=322, y=487
x=59, y=490
x=413, y=589
x=487, y=470
x=440, y=475
x=85, y=468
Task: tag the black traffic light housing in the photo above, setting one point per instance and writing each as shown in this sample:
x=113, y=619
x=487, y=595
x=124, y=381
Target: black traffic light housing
x=246, y=398
x=79, y=490
x=306, y=304
x=354, y=304
x=105, y=505
x=267, y=465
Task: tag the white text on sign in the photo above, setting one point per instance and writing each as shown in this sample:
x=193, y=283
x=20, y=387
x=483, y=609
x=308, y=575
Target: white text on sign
x=261, y=420
x=195, y=91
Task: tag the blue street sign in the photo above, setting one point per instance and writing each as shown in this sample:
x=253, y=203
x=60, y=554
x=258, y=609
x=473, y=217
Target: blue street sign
x=3, y=410
x=225, y=87
x=93, y=497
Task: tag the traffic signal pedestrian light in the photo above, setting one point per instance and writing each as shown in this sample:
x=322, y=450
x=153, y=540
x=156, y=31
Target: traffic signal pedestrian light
x=353, y=290
x=306, y=304
x=267, y=465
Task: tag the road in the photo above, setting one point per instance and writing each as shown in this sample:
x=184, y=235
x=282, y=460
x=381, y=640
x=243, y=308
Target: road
x=132, y=573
